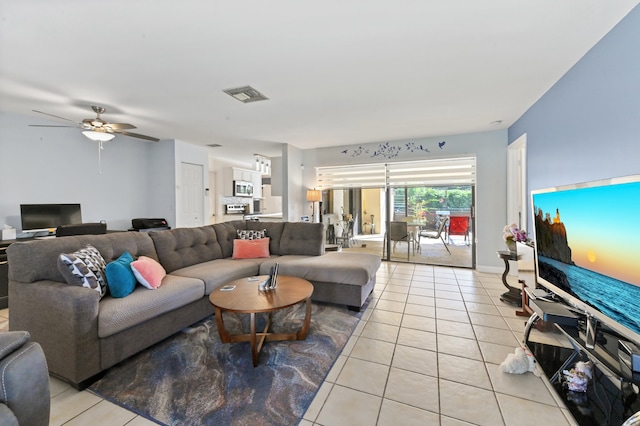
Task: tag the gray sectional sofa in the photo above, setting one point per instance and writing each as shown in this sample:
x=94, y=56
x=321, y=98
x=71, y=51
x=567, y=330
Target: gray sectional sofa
x=83, y=335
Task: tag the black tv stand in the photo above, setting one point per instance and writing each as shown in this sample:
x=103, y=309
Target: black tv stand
x=612, y=395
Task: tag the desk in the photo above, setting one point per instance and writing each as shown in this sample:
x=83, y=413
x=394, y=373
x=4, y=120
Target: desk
x=4, y=274
x=513, y=296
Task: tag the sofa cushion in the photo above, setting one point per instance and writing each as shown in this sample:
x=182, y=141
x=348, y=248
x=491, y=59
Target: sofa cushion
x=226, y=233
x=120, y=278
x=302, y=238
x=115, y=315
x=148, y=272
x=333, y=267
x=218, y=272
x=44, y=253
x=84, y=267
x=182, y=247
x=251, y=249
x=274, y=232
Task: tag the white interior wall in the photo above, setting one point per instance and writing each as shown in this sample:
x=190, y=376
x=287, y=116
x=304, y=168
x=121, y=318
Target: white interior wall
x=60, y=165
x=490, y=149
x=57, y=165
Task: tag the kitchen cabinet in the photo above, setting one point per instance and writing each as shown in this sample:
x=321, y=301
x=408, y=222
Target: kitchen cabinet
x=242, y=174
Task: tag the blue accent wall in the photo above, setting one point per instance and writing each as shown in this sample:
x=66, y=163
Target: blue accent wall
x=587, y=126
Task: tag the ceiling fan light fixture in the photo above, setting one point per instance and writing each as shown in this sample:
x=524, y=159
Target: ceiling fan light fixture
x=98, y=136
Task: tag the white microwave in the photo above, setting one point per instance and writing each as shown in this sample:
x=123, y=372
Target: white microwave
x=242, y=188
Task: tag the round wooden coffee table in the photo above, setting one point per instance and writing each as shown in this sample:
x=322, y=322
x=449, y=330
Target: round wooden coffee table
x=246, y=298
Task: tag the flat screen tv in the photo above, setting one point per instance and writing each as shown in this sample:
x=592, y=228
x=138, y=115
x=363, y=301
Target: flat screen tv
x=586, y=249
x=47, y=217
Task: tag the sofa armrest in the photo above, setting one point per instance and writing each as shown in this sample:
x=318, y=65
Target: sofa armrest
x=7, y=418
x=63, y=319
x=24, y=380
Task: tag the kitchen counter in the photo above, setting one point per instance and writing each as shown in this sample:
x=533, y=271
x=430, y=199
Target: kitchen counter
x=266, y=217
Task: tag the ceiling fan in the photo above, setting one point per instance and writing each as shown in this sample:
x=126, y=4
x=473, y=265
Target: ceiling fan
x=98, y=129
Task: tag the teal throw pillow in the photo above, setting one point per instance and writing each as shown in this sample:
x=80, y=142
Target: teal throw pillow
x=120, y=278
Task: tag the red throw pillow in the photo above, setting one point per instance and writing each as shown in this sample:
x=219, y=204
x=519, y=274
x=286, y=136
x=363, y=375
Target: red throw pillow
x=148, y=272
x=250, y=249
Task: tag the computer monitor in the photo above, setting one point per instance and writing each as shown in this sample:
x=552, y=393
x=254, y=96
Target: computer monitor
x=47, y=217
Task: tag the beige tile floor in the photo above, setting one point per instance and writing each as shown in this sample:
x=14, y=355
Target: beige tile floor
x=426, y=352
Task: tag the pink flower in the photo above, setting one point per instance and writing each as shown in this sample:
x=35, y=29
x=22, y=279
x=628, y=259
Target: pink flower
x=511, y=232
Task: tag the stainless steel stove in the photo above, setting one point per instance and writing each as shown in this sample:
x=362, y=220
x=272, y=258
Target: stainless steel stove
x=236, y=208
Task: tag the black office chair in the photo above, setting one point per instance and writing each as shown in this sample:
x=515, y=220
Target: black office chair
x=81, y=229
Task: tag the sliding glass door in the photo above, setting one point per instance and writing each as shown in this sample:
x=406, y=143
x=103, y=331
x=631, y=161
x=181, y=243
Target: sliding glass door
x=413, y=211
x=431, y=225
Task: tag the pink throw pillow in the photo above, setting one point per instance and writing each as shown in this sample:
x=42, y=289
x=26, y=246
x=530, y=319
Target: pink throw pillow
x=148, y=272
x=250, y=249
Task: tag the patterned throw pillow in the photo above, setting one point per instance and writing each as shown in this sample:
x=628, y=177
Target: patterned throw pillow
x=251, y=234
x=85, y=267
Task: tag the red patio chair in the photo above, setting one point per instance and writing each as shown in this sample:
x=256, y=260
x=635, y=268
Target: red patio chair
x=459, y=225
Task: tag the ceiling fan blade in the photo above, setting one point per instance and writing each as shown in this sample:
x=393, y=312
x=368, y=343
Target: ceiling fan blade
x=47, y=125
x=51, y=115
x=137, y=135
x=120, y=126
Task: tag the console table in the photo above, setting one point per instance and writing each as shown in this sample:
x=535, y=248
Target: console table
x=513, y=295
x=612, y=395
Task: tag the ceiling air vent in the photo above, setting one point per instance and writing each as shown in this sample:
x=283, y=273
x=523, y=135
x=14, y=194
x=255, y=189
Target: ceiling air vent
x=214, y=145
x=246, y=94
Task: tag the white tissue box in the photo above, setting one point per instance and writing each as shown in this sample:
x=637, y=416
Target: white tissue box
x=8, y=234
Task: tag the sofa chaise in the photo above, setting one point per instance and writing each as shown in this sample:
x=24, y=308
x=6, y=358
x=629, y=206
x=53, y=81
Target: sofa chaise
x=82, y=334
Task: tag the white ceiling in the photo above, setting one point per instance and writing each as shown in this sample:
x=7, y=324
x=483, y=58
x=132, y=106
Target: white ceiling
x=336, y=71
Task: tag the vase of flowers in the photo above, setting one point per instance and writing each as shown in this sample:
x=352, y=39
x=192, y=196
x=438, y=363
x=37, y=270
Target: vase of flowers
x=511, y=235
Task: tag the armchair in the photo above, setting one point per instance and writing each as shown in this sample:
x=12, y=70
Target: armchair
x=24, y=381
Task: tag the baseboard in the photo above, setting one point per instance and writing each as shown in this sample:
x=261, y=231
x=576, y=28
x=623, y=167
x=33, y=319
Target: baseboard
x=490, y=269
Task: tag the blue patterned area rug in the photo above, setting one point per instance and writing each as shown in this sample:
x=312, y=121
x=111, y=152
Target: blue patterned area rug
x=192, y=378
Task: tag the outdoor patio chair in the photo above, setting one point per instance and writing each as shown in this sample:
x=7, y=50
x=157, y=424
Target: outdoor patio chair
x=437, y=235
x=459, y=225
x=398, y=232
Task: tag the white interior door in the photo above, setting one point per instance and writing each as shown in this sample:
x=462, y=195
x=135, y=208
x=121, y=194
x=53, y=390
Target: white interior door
x=192, y=195
x=517, y=182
